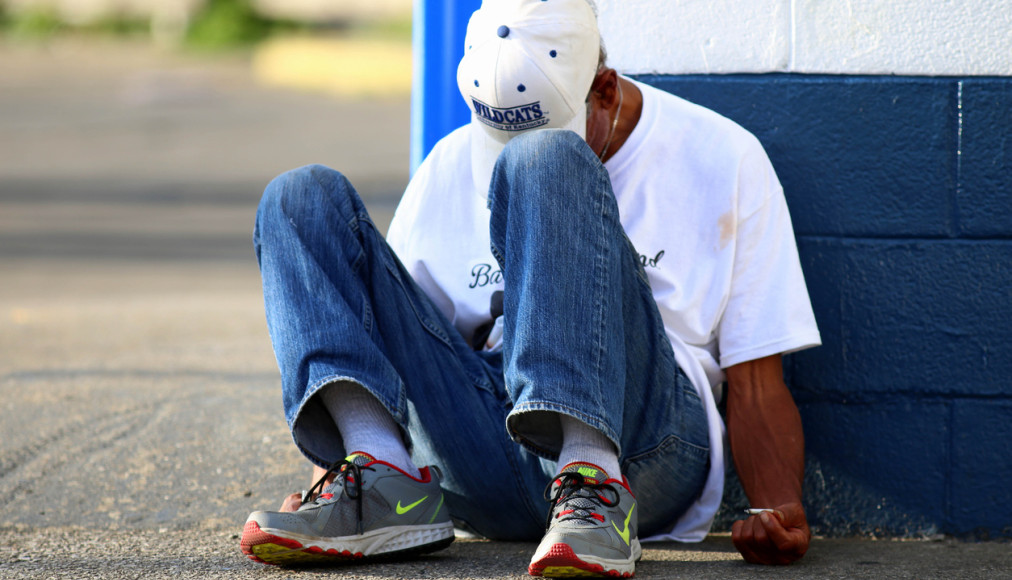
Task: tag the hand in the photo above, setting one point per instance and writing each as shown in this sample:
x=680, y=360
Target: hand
x=778, y=537
x=291, y=503
x=294, y=501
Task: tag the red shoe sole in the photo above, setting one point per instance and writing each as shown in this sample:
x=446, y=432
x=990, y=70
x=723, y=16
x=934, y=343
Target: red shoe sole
x=266, y=548
x=562, y=562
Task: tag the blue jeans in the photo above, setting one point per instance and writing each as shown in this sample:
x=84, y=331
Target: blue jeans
x=582, y=336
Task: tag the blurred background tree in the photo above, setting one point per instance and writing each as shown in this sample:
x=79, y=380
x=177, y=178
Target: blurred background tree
x=203, y=24
x=344, y=48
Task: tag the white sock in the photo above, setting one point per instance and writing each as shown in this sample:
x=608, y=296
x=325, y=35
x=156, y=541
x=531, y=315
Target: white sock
x=583, y=443
x=366, y=425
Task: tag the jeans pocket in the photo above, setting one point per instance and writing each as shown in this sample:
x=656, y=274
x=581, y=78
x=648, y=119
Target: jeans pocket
x=666, y=481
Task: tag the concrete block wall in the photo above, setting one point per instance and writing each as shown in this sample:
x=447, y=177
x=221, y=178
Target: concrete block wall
x=900, y=188
x=890, y=126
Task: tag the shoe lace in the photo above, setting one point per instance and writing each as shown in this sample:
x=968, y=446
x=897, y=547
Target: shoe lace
x=349, y=476
x=580, y=497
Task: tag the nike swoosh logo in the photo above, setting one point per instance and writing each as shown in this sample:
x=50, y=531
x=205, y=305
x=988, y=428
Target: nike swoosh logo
x=624, y=534
x=401, y=510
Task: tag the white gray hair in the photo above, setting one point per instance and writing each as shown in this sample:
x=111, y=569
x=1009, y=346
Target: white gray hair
x=602, y=57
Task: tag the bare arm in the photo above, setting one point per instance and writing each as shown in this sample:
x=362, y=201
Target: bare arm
x=767, y=443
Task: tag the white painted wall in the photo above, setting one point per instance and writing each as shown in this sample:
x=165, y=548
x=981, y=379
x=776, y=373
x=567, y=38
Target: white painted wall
x=904, y=37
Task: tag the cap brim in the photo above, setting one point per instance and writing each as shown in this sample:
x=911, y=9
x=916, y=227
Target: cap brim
x=485, y=148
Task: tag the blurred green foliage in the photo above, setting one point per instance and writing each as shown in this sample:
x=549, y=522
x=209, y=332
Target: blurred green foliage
x=120, y=26
x=226, y=24
x=37, y=22
x=218, y=25
x=40, y=22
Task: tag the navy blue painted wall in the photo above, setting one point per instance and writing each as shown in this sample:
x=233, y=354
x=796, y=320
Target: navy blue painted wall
x=900, y=189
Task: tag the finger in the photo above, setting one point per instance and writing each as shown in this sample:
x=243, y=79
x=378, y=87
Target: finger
x=738, y=535
x=777, y=534
x=791, y=515
x=736, y=528
x=755, y=544
x=762, y=537
x=791, y=544
x=765, y=545
x=742, y=539
x=749, y=554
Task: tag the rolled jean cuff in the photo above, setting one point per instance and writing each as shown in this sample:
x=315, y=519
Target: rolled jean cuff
x=536, y=427
x=313, y=429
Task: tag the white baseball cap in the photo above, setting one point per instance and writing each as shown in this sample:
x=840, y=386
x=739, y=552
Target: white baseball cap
x=528, y=64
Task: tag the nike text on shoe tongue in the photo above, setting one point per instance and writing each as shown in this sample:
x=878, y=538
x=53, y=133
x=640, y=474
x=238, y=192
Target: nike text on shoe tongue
x=590, y=472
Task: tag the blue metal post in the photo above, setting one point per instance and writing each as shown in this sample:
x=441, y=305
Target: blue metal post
x=437, y=108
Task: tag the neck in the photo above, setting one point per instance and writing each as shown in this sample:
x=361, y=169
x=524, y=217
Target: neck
x=614, y=124
x=626, y=118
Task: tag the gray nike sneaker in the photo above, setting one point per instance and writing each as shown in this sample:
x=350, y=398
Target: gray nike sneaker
x=591, y=526
x=371, y=509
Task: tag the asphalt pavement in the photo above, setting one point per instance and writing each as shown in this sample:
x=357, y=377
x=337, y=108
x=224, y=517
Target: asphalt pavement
x=140, y=415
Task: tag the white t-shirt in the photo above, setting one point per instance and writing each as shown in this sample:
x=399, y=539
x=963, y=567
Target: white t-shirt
x=701, y=203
